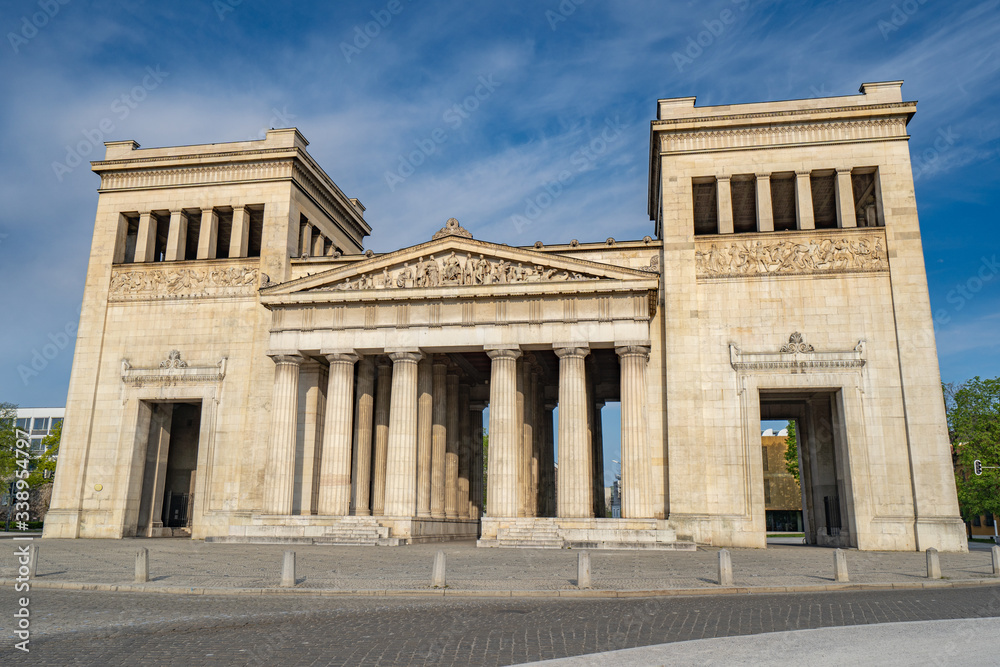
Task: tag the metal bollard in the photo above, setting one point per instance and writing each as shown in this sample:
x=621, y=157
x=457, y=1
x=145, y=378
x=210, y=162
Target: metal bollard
x=583, y=570
x=933, y=564
x=725, y=568
x=32, y=560
x=142, y=566
x=288, y=570
x=840, y=566
x=438, y=579
x=996, y=560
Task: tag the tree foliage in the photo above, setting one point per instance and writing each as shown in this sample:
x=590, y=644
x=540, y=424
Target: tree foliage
x=792, y=452
x=974, y=426
x=8, y=441
x=45, y=465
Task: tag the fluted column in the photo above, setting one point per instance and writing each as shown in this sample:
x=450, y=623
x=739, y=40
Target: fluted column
x=401, y=471
x=451, y=457
x=364, y=406
x=425, y=409
x=597, y=435
x=476, y=460
x=575, y=466
x=637, y=480
x=335, y=463
x=523, y=462
x=505, y=437
x=528, y=469
x=549, y=460
x=464, y=450
x=439, y=436
x=383, y=399
x=537, y=413
x=279, y=478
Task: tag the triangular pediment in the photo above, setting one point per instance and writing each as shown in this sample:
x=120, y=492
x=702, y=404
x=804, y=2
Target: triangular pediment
x=456, y=262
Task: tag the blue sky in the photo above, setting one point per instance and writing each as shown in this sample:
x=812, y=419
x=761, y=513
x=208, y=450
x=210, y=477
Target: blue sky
x=549, y=75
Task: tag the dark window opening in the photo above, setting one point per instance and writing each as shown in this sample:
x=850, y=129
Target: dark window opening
x=162, y=232
x=865, y=205
x=783, y=202
x=763, y=456
x=744, y=204
x=824, y=196
x=193, y=232
x=131, y=237
x=706, y=208
x=989, y=520
x=256, y=231
x=225, y=234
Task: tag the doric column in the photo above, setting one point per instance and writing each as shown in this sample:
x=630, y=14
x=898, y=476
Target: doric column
x=401, y=471
x=637, y=480
x=451, y=457
x=765, y=214
x=476, y=460
x=313, y=380
x=575, y=465
x=725, y=204
x=335, y=463
x=439, y=435
x=505, y=436
x=364, y=405
x=537, y=440
x=464, y=450
x=279, y=479
x=804, y=201
x=145, y=243
x=305, y=243
x=425, y=410
x=208, y=234
x=597, y=438
x=176, y=236
x=528, y=469
x=549, y=460
x=239, y=241
x=846, y=214
x=523, y=461
x=383, y=396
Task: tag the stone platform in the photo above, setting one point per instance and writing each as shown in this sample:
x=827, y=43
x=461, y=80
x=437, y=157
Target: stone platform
x=348, y=530
x=561, y=533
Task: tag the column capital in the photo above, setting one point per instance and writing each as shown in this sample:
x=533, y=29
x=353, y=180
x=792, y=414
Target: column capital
x=286, y=357
x=478, y=405
x=405, y=356
x=503, y=352
x=571, y=350
x=633, y=349
x=340, y=356
x=383, y=362
x=763, y=177
x=844, y=170
x=723, y=178
x=803, y=173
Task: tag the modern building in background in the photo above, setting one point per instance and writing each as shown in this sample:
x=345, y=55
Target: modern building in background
x=245, y=370
x=39, y=423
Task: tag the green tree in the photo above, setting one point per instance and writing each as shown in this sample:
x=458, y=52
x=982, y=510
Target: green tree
x=8, y=442
x=973, y=410
x=45, y=464
x=792, y=452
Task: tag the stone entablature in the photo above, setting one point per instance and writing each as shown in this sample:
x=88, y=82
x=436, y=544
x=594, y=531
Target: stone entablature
x=172, y=371
x=791, y=253
x=200, y=279
x=797, y=356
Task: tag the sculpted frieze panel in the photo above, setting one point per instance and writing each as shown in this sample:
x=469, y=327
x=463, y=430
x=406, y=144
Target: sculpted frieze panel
x=797, y=254
x=141, y=282
x=455, y=270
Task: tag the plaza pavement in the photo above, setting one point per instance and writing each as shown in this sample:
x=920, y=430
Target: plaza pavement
x=187, y=566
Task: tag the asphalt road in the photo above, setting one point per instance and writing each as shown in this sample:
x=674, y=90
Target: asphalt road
x=90, y=628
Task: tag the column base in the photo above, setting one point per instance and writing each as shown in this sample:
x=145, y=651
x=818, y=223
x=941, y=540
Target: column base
x=562, y=533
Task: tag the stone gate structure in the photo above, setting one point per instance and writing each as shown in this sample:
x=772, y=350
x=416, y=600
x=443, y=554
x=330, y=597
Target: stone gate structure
x=246, y=371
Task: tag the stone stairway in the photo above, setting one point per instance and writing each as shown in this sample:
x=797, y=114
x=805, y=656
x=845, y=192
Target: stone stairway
x=529, y=536
x=357, y=533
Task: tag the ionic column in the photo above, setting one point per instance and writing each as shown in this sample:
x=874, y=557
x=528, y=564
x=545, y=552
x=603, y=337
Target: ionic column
x=279, y=478
x=846, y=214
x=145, y=243
x=335, y=463
x=401, y=471
x=425, y=410
x=724, y=199
x=439, y=435
x=765, y=214
x=176, y=236
x=575, y=465
x=383, y=396
x=549, y=460
x=208, y=234
x=804, y=201
x=476, y=460
x=505, y=436
x=239, y=242
x=451, y=458
x=637, y=480
x=361, y=474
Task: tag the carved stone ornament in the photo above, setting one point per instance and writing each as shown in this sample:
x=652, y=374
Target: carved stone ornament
x=452, y=228
x=800, y=254
x=654, y=265
x=454, y=270
x=144, y=282
x=796, y=345
x=174, y=360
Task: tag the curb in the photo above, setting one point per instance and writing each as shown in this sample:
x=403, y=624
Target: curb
x=454, y=593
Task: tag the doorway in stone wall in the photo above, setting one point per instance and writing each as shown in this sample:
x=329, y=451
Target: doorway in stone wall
x=824, y=474
x=166, y=502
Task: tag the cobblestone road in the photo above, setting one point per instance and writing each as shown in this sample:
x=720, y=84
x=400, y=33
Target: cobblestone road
x=91, y=628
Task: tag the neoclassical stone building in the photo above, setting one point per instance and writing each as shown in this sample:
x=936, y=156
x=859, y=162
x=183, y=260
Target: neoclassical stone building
x=246, y=371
